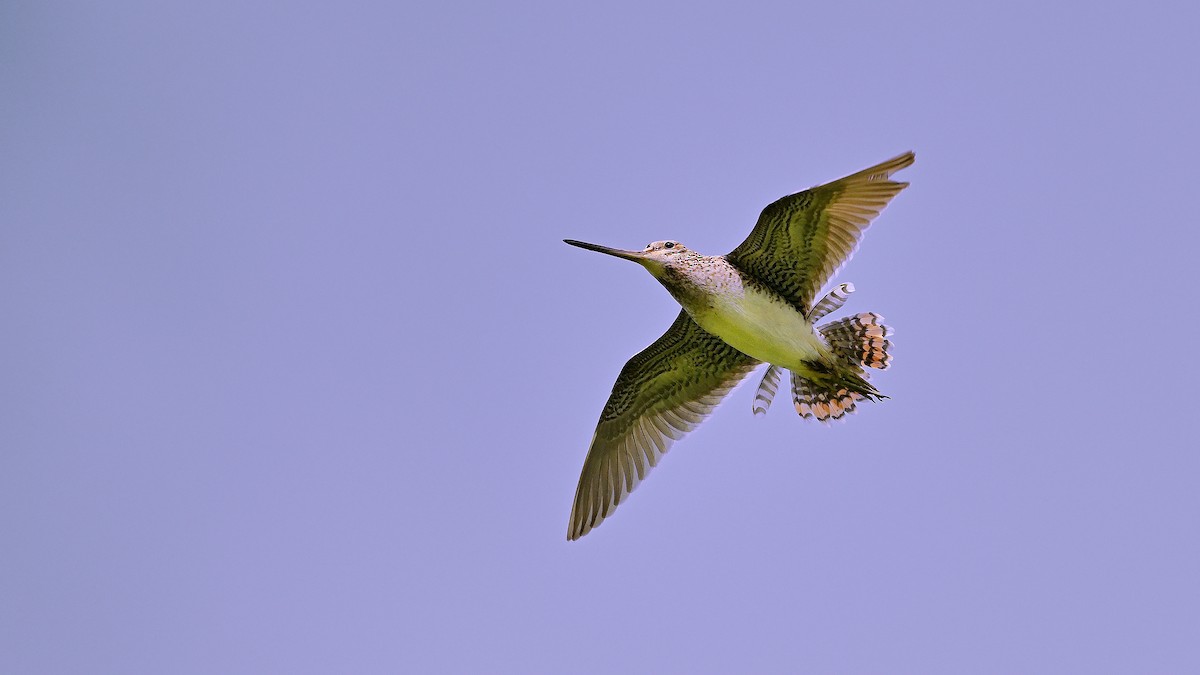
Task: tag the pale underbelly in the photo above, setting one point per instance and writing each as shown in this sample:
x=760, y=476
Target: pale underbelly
x=765, y=328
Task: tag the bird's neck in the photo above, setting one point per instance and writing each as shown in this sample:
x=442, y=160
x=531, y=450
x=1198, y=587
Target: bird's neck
x=693, y=281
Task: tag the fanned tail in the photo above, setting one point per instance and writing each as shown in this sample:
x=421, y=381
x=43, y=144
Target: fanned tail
x=830, y=391
x=829, y=401
x=860, y=339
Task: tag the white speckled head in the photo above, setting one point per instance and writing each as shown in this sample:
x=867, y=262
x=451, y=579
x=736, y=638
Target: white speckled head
x=664, y=250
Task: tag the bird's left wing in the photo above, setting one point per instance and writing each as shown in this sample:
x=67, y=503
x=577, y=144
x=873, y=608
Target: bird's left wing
x=662, y=393
x=800, y=241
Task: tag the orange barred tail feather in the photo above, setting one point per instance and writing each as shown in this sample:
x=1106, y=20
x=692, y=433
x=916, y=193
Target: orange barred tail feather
x=830, y=391
x=812, y=403
x=860, y=339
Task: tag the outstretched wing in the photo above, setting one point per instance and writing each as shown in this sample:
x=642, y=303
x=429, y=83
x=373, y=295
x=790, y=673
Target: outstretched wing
x=662, y=393
x=802, y=240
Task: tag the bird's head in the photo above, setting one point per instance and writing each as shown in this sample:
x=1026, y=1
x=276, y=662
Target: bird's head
x=657, y=256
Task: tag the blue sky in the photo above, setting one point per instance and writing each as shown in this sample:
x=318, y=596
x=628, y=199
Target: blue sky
x=298, y=375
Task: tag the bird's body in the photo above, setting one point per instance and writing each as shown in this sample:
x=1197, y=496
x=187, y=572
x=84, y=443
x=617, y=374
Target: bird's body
x=756, y=304
x=749, y=316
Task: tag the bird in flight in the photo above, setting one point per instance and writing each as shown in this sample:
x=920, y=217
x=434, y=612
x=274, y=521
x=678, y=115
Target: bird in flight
x=756, y=304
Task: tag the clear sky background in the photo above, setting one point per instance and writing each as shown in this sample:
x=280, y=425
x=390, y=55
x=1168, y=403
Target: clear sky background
x=297, y=375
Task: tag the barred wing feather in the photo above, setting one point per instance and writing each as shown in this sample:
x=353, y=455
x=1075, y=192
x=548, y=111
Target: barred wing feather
x=802, y=240
x=662, y=393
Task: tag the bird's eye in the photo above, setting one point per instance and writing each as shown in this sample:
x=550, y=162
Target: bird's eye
x=669, y=244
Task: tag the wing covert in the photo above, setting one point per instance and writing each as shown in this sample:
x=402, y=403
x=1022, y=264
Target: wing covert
x=662, y=393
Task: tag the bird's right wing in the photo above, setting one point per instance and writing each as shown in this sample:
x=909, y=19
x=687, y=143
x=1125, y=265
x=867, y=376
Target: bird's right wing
x=662, y=393
x=800, y=241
